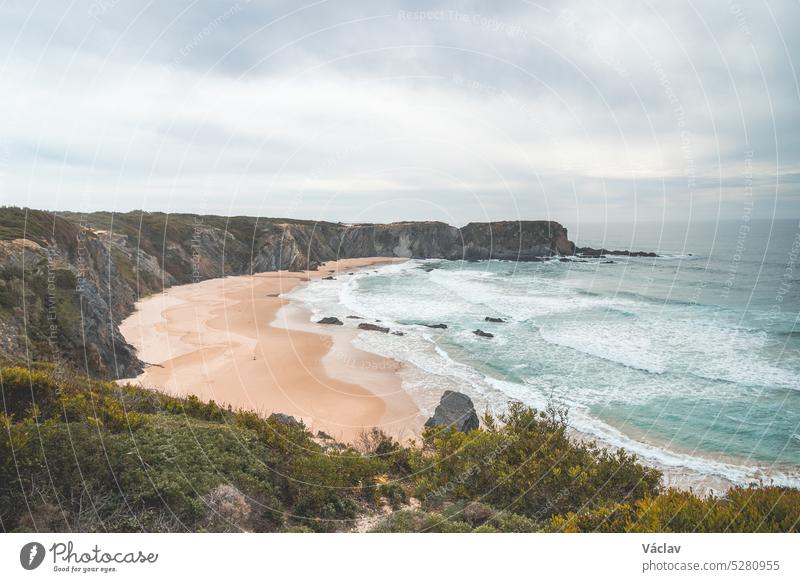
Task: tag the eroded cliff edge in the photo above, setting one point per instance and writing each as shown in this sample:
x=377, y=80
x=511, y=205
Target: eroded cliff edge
x=68, y=279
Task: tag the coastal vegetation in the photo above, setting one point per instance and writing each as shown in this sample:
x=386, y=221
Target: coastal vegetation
x=85, y=455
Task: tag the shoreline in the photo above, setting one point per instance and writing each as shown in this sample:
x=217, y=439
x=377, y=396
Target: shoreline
x=680, y=469
x=280, y=361
x=217, y=340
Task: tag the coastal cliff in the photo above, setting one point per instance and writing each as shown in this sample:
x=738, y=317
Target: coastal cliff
x=63, y=289
x=68, y=279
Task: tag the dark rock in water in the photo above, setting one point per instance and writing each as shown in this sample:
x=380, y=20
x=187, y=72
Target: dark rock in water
x=284, y=419
x=590, y=252
x=427, y=267
x=494, y=319
x=632, y=254
x=435, y=325
x=351, y=273
x=398, y=333
x=331, y=321
x=329, y=278
x=373, y=327
x=454, y=409
x=482, y=333
x=354, y=317
x=323, y=435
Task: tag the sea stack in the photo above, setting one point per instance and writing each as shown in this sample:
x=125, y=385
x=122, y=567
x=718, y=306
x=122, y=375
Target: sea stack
x=454, y=409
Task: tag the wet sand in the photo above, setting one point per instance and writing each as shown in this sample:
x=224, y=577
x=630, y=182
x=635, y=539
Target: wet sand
x=219, y=340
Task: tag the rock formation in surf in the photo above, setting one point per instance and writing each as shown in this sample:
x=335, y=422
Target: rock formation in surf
x=454, y=409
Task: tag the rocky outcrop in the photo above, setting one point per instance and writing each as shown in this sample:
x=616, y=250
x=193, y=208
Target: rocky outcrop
x=509, y=240
x=436, y=325
x=454, y=409
x=331, y=321
x=284, y=419
x=373, y=327
x=481, y=333
x=63, y=295
x=494, y=319
x=590, y=252
x=513, y=240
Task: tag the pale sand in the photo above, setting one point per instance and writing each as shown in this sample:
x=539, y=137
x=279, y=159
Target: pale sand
x=218, y=339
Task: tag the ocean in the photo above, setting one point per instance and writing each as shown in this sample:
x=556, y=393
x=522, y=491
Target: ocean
x=690, y=360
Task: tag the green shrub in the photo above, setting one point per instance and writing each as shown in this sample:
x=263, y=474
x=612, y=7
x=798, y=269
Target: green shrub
x=325, y=487
x=83, y=455
x=527, y=464
x=394, y=494
x=741, y=509
x=160, y=463
x=485, y=528
x=420, y=522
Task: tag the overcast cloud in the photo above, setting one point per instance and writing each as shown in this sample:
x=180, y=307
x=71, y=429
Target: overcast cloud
x=379, y=111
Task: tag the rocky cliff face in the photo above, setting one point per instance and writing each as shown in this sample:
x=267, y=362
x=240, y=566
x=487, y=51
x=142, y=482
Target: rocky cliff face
x=521, y=241
x=514, y=241
x=67, y=280
x=62, y=295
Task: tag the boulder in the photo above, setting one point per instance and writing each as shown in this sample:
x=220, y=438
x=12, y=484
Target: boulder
x=590, y=252
x=454, y=409
x=284, y=419
x=435, y=325
x=373, y=327
x=494, y=319
x=481, y=333
x=330, y=321
x=354, y=317
x=329, y=278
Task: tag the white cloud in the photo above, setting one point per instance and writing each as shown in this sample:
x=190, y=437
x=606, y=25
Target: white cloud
x=584, y=109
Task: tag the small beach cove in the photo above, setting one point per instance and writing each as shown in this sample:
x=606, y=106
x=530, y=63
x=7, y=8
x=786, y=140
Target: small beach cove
x=219, y=340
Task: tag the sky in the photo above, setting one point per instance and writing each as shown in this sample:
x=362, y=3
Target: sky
x=376, y=111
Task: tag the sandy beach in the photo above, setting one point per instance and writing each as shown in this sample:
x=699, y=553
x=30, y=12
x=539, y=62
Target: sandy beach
x=235, y=341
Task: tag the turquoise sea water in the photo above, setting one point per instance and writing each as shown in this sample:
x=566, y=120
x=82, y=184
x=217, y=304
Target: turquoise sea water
x=691, y=359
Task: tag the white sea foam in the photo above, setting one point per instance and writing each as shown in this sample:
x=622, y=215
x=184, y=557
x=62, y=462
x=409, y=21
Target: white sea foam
x=661, y=344
x=582, y=348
